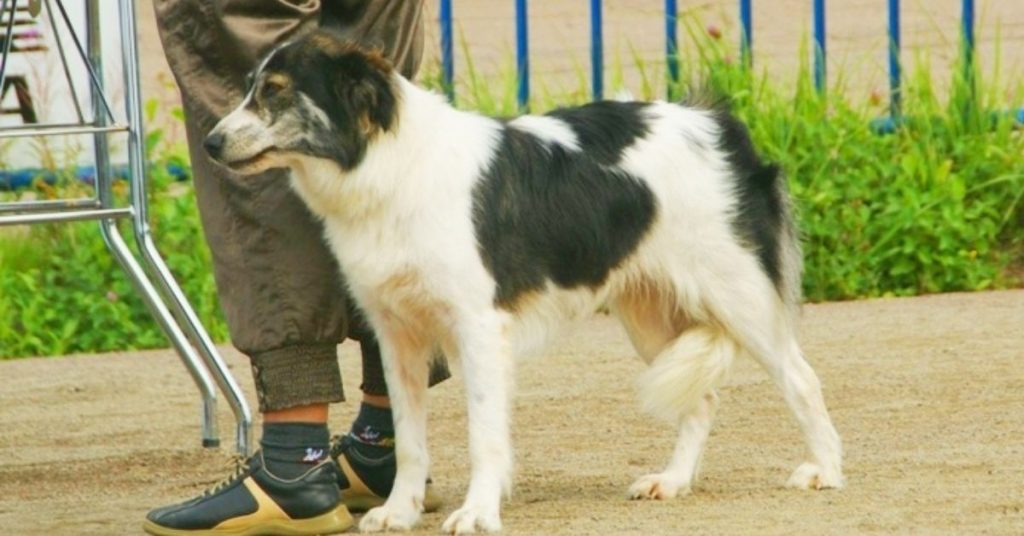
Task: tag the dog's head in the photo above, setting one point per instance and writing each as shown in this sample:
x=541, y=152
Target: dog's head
x=315, y=97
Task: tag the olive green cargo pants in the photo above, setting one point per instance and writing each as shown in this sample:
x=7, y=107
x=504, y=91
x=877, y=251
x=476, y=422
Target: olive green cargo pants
x=278, y=283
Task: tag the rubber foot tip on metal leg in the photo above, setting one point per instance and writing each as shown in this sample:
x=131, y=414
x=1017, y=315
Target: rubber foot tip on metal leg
x=211, y=443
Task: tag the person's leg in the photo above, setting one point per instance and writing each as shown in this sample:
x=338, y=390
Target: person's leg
x=366, y=454
x=278, y=283
x=279, y=286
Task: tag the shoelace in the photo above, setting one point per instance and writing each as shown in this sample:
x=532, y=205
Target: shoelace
x=338, y=445
x=241, y=469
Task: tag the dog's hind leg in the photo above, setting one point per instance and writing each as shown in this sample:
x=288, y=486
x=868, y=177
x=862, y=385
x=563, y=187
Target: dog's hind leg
x=679, y=387
x=406, y=358
x=764, y=326
x=802, y=390
x=682, y=469
x=487, y=365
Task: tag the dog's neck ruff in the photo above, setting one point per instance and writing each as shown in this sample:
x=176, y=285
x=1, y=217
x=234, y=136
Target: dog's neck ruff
x=431, y=148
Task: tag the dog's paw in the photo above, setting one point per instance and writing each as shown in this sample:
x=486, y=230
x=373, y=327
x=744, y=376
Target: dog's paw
x=658, y=487
x=813, y=476
x=387, y=518
x=470, y=518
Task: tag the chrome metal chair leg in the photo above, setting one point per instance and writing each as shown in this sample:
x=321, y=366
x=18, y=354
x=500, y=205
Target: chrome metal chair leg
x=118, y=247
x=149, y=253
x=151, y=277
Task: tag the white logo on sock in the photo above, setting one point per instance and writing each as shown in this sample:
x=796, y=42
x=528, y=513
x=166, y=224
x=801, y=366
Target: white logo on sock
x=369, y=435
x=313, y=455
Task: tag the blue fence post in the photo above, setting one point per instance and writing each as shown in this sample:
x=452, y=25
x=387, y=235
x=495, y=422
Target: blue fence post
x=747, y=38
x=522, y=57
x=596, y=51
x=447, y=61
x=967, y=37
x=671, y=47
x=895, y=68
x=819, y=45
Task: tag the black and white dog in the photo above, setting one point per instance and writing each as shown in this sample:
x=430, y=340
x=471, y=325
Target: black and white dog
x=478, y=236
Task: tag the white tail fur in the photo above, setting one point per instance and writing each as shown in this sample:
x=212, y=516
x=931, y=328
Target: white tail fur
x=687, y=369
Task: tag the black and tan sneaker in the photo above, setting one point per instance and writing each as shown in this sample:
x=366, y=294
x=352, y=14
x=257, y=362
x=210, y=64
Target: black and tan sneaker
x=255, y=502
x=366, y=481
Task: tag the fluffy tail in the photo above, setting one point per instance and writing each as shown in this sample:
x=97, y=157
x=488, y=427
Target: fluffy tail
x=791, y=258
x=688, y=369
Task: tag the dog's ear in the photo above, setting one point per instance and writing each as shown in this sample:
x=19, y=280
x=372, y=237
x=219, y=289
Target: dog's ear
x=363, y=84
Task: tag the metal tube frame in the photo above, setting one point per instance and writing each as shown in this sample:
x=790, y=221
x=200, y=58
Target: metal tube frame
x=67, y=216
x=144, y=238
x=64, y=64
x=58, y=205
x=165, y=300
x=64, y=130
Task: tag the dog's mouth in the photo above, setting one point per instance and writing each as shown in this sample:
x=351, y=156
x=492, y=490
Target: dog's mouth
x=255, y=161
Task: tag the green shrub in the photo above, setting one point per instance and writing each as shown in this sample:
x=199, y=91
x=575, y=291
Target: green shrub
x=935, y=207
x=62, y=292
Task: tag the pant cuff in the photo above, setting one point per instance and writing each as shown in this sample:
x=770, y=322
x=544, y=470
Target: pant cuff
x=297, y=376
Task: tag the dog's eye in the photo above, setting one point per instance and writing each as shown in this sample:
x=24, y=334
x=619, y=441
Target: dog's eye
x=271, y=88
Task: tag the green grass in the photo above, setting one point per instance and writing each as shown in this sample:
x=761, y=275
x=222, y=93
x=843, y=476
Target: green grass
x=61, y=292
x=935, y=207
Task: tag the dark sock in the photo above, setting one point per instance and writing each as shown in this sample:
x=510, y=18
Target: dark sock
x=373, y=431
x=292, y=448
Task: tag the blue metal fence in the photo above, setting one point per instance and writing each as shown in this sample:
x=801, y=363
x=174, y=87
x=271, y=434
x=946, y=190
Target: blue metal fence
x=672, y=43
x=746, y=49
x=895, y=71
x=447, y=65
x=747, y=35
x=522, y=55
x=820, y=46
x=596, y=50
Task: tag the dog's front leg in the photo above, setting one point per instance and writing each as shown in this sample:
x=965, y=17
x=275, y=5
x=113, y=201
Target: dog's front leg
x=488, y=370
x=406, y=360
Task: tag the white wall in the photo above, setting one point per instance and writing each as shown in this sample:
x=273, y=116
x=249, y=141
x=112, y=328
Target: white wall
x=49, y=88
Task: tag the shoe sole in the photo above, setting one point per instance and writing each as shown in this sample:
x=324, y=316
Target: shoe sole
x=359, y=498
x=358, y=503
x=333, y=522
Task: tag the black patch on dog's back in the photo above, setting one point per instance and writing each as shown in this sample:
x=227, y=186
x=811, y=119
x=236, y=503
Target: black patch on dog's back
x=761, y=213
x=542, y=213
x=605, y=128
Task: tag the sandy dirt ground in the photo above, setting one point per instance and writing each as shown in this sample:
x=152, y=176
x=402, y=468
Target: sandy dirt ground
x=926, y=392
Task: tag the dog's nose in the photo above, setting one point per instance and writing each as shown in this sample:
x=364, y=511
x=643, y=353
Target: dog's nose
x=213, y=144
